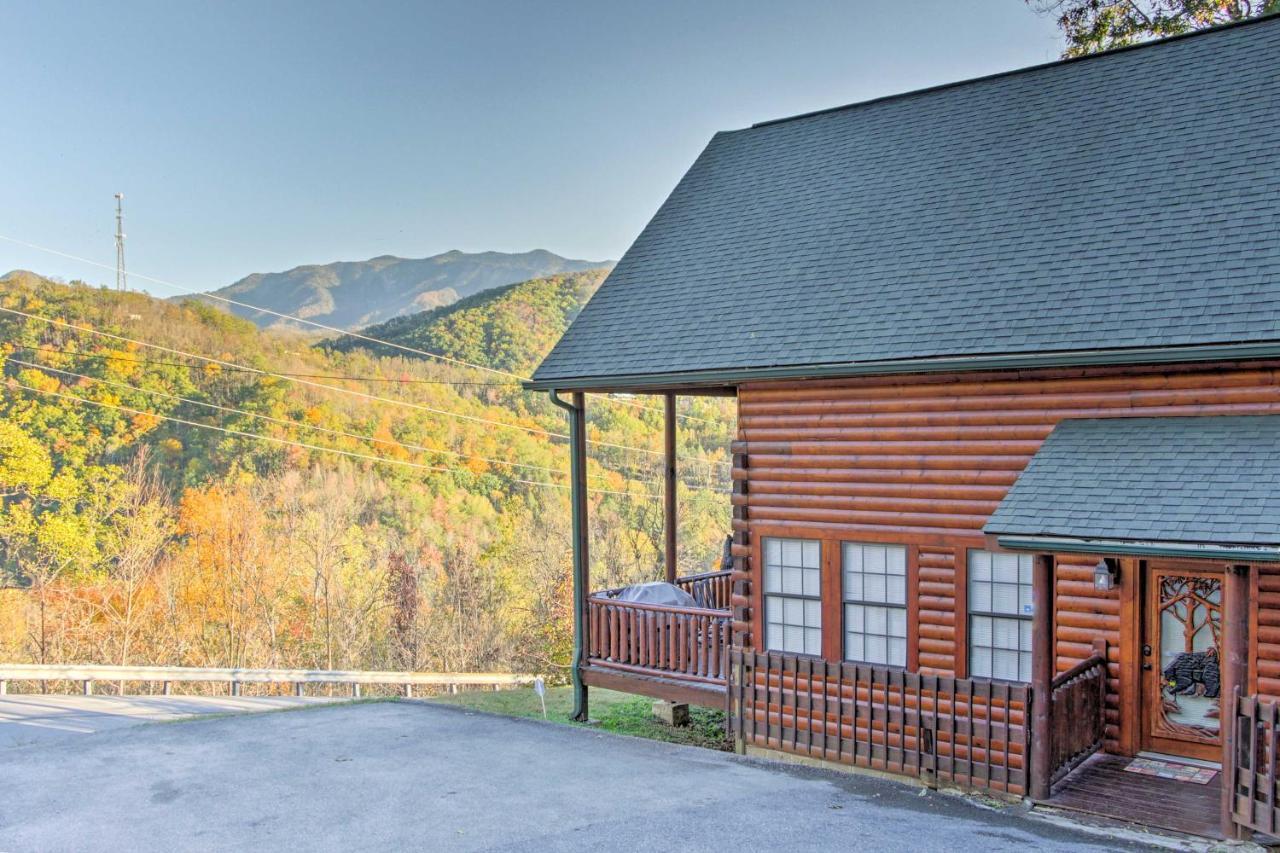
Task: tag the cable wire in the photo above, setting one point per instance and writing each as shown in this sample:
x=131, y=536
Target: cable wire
x=292, y=423
x=315, y=447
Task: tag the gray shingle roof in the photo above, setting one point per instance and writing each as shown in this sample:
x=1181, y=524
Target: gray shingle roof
x=1212, y=480
x=1130, y=199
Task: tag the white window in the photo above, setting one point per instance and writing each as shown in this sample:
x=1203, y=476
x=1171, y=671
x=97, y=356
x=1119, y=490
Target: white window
x=1000, y=615
x=875, y=603
x=793, y=596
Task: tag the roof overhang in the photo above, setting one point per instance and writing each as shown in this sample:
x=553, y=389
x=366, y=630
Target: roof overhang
x=727, y=378
x=1199, y=487
x=1133, y=548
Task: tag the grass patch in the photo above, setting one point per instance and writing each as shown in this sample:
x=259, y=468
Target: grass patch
x=612, y=711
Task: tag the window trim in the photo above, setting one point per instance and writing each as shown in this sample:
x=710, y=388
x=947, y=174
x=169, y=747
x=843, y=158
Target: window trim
x=970, y=612
x=765, y=594
x=905, y=606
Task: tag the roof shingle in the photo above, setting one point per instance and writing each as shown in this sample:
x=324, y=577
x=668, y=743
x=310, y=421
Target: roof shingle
x=1130, y=199
x=1205, y=480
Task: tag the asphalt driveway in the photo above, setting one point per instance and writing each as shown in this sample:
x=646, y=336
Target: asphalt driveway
x=31, y=718
x=390, y=776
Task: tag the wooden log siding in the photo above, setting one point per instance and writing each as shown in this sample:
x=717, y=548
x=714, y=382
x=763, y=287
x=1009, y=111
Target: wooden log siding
x=922, y=460
x=965, y=732
x=1264, y=635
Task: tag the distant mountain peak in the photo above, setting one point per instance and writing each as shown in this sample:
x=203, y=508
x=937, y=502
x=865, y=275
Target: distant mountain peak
x=350, y=294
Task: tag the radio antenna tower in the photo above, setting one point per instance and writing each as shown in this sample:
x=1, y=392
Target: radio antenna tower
x=122, y=279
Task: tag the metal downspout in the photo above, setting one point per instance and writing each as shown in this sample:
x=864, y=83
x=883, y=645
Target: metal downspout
x=577, y=477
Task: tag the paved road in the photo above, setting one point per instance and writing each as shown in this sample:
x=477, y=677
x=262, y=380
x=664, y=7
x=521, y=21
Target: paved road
x=30, y=719
x=415, y=775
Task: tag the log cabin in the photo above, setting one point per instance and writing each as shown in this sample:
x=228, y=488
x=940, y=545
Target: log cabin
x=1006, y=480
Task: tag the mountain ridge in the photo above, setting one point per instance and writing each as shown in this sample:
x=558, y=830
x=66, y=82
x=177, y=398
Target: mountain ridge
x=353, y=294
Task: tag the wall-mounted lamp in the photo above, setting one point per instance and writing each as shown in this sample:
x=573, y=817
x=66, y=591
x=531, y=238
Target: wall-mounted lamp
x=1105, y=575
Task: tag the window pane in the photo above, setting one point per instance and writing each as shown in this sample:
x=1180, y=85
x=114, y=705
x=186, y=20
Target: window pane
x=873, y=587
x=897, y=622
x=854, y=616
x=812, y=582
x=791, y=552
x=813, y=641
x=1005, y=633
x=897, y=651
x=811, y=559
x=793, y=611
x=772, y=578
x=813, y=613
x=794, y=639
x=1004, y=598
x=853, y=646
x=897, y=561
x=1004, y=664
x=980, y=565
x=772, y=551
x=898, y=589
x=980, y=663
x=1004, y=568
x=852, y=558
x=980, y=631
x=980, y=597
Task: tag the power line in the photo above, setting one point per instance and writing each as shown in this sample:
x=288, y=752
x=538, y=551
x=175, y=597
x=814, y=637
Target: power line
x=288, y=422
x=322, y=326
x=300, y=381
x=633, y=474
x=315, y=447
x=111, y=357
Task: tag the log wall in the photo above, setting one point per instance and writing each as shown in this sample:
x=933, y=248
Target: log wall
x=923, y=460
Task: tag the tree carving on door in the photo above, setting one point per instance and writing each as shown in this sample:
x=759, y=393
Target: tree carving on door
x=1190, y=625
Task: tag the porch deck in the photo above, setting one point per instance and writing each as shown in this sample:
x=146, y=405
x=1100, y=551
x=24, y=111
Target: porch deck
x=680, y=654
x=1100, y=786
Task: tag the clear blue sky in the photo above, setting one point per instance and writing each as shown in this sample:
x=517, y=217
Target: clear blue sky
x=253, y=137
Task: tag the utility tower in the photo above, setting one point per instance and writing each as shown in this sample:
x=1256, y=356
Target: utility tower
x=122, y=280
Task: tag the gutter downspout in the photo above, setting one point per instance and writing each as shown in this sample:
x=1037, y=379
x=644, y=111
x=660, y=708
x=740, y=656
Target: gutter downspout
x=581, y=563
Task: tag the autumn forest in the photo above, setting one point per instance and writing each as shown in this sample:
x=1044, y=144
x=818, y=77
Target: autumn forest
x=180, y=487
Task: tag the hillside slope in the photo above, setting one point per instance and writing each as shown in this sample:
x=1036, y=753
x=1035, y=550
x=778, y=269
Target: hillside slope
x=348, y=294
x=509, y=328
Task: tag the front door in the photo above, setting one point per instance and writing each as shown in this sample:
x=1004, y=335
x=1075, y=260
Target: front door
x=1181, y=647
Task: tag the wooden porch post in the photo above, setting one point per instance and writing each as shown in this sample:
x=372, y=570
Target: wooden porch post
x=669, y=491
x=1235, y=673
x=1041, y=675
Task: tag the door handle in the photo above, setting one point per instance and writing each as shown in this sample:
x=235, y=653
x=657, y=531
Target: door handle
x=1146, y=667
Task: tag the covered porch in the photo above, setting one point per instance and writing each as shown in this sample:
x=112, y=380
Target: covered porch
x=668, y=652
x=1158, y=536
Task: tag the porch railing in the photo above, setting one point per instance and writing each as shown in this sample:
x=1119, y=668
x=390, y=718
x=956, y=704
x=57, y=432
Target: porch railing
x=1253, y=797
x=689, y=643
x=966, y=731
x=709, y=589
x=1079, y=701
